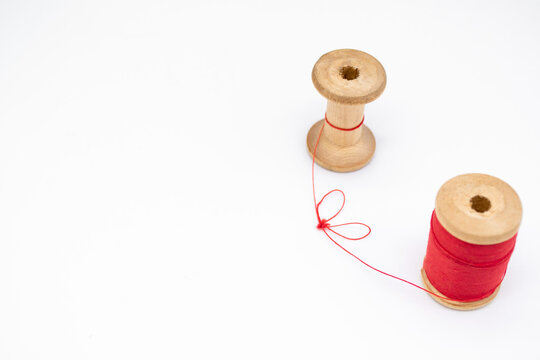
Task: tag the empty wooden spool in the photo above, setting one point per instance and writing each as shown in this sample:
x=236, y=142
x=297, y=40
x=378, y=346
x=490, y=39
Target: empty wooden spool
x=349, y=79
x=478, y=209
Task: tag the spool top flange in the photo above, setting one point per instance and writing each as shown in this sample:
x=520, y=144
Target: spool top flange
x=349, y=76
x=479, y=209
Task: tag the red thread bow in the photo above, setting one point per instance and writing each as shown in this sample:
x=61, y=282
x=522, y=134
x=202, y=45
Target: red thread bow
x=324, y=224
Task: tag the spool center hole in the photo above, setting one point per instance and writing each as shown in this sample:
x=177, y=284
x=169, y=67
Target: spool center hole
x=349, y=72
x=480, y=203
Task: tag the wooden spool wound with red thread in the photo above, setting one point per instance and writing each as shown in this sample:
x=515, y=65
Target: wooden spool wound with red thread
x=349, y=79
x=477, y=209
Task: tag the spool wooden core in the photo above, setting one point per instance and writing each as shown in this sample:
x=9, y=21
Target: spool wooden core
x=478, y=209
x=349, y=79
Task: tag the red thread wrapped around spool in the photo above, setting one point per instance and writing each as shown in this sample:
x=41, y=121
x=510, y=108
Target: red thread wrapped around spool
x=473, y=234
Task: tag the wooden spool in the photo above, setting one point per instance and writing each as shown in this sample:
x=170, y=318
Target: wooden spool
x=478, y=209
x=349, y=79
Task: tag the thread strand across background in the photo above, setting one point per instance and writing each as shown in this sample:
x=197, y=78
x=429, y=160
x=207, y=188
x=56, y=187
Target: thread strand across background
x=479, y=280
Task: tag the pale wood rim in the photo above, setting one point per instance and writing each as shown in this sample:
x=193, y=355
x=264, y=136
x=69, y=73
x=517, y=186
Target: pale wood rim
x=367, y=87
x=363, y=158
x=498, y=224
x=456, y=305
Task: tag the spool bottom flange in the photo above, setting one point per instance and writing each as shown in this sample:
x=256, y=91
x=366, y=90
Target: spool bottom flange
x=456, y=305
x=341, y=158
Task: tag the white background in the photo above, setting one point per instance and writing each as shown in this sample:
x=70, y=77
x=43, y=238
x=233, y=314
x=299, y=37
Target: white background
x=155, y=197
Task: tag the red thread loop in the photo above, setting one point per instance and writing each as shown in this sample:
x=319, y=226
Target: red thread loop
x=343, y=129
x=324, y=224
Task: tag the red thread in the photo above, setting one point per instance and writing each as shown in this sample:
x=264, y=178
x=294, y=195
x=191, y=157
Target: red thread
x=343, y=129
x=324, y=224
x=461, y=270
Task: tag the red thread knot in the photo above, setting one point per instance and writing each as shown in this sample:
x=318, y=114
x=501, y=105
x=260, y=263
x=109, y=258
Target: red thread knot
x=323, y=224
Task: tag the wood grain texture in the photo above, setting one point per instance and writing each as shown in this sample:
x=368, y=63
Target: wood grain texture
x=456, y=214
x=341, y=158
x=327, y=76
x=348, y=79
